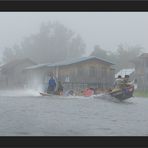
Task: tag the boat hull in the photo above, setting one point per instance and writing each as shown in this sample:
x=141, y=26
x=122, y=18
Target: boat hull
x=123, y=94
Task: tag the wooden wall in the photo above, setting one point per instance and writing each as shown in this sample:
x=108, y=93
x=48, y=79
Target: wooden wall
x=88, y=72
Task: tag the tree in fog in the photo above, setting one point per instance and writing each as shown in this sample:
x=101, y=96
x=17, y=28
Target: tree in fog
x=99, y=52
x=54, y=42
x=122, y=57
x=13, y=53
x=125, y=55
x=8, y=55
x=103, y=54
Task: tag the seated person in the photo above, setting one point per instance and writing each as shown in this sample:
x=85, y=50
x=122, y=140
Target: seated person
x=59, y=89
x=118, y=82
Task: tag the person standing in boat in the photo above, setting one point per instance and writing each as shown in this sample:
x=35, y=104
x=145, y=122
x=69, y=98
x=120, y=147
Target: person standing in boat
x=51, y=85
x=118, y=82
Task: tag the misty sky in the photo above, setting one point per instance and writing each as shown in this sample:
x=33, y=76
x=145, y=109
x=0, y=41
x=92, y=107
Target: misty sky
x=108, y=29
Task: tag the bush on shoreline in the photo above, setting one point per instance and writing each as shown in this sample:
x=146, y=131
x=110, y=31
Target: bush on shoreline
x=141, y=94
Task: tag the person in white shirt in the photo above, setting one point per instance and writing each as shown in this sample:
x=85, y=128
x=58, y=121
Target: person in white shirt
x=118, y=82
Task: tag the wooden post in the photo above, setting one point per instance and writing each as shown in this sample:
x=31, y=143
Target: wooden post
x=57, y=72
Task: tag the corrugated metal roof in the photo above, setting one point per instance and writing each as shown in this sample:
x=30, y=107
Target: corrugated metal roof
x=69, y=62
x=13, y=63
x=37, y=66
x=144, y=55
x=124, y=72
x=77, y=60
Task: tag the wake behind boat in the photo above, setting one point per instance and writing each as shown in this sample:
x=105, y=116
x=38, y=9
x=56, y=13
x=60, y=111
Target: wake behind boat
x=45, y=94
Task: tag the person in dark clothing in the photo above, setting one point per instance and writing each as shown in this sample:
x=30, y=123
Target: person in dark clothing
x=126, y=84
x=51, y=86
x=60, y=88
x=126, y=78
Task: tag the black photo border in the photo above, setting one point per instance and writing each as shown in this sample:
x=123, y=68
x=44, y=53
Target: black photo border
x=73, y=5
x=66, y=6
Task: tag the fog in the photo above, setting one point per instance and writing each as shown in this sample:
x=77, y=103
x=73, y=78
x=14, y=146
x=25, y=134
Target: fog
x=28, y=40
x=108, y=29
x=52, y=37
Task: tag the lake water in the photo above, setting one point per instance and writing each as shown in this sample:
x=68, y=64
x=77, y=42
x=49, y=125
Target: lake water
x=29, y=114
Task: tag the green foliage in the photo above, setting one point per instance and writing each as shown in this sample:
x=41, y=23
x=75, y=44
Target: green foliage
x=141, y=94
